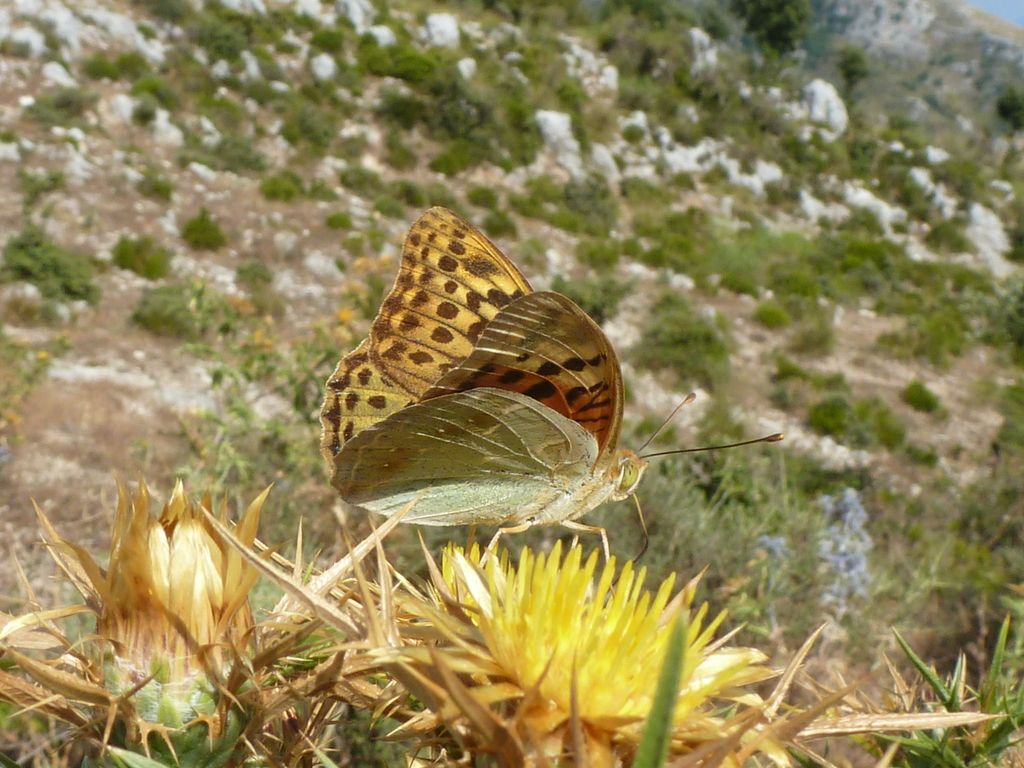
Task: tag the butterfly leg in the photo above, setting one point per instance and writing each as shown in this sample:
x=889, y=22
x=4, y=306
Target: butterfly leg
x=504, y=532
x=572, y=525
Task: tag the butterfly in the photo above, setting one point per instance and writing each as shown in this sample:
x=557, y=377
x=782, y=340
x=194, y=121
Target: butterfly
x=475, y=399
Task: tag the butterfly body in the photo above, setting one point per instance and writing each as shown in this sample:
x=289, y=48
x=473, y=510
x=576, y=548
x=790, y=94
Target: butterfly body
x=476, y=400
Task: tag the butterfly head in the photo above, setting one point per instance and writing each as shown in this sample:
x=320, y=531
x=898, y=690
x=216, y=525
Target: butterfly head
x=629, y=469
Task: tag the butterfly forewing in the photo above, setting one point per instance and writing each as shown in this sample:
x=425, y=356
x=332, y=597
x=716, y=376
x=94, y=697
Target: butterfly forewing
x=480, y=456
x=547, y=348
x=451, y=282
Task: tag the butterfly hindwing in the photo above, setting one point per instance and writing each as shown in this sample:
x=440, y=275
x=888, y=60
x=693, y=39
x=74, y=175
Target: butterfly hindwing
x=479, y=456
x=451, y=282
x=544, y=346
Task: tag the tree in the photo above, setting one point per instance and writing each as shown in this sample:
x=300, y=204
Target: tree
x=853, y=66
x=1010, y=107
x=776, y=25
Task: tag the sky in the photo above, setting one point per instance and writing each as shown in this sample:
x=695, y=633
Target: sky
x=1008, y=9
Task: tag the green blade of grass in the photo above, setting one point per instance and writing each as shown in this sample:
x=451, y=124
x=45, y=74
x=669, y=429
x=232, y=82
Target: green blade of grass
x=653, y=747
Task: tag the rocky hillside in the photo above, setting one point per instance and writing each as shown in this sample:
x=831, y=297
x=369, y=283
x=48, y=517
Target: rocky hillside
x=943, y=62
x=202, y=207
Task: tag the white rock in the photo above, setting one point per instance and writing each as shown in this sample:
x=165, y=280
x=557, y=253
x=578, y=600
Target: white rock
x=1004, y=188
x=123, y=30
x=25, y=101
x=360, y=12
x=55, y=73
x=635, y=119
x=824, y=106
x=321, y=265
x=442, y=30
x=165, y=132
x=935, y=155
x=887, y=215
x=604, y=162
x=64, y=25
x=21, y=293
x=383, y=34
x=985, y=230
x=204, y=172
x=220, y=70
x=285, y=242
x=246, y=6
x=279, y=86
x=251, y=67
x=310, y=8
x=29, y=38
x=323, y=67
x=211, y=137
x=705, y=54
x=944, y=202
x=10, y=152
x=556, y=130
x=595, y=73
x=118, y=109
x=467, y=67
x=815, y=210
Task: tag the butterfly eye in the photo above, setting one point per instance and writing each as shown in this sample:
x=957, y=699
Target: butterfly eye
x=629, y=475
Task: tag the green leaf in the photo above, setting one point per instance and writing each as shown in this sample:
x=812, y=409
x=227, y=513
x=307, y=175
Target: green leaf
x=943, y=693
x=133, y=759
x=653, y=747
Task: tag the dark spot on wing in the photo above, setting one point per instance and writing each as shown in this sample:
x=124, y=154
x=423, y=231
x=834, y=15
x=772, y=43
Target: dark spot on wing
x=447, y=310
x=541, y=390
x=377, y=401
x=447, y=263
x=441, y=335
x=549, y=368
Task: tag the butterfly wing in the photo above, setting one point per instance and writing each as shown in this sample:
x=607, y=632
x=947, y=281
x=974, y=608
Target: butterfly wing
x=483, y=456
x=547, y=348
x=451, y=282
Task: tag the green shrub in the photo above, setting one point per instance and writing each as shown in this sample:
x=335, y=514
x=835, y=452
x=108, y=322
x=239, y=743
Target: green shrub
x=948, y=236
x=58, y=273
x=771, y=314
x=157, y=88
x=309, y=124
x=409, y=192
x=361, y=180
x=65, y=106
x=154, y=185
x=202, y=232
x=919, y=397
x=143, y=256
x=482, y=197
x=389, y=206
x=861, y=424
x=831, y=416
x=598, y=254
x=813, y=335
x=678, y=338
x=400, y=109
x=401, y=60
x=339, y=220
x=257, y=279
x=167, y=311
x=220, y=39
x=457, y=156
x=598, y=297
x=499, y=224
x=99, y=67
x=329, y=39
x=35, y=185
x=284, y=186
x=397, y=153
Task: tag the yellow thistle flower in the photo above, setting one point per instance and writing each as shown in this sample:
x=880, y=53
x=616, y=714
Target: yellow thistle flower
x=577, y=649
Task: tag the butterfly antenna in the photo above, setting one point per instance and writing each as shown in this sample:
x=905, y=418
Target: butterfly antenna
x=766, y=439
x=686, y=401
x=643, y=527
